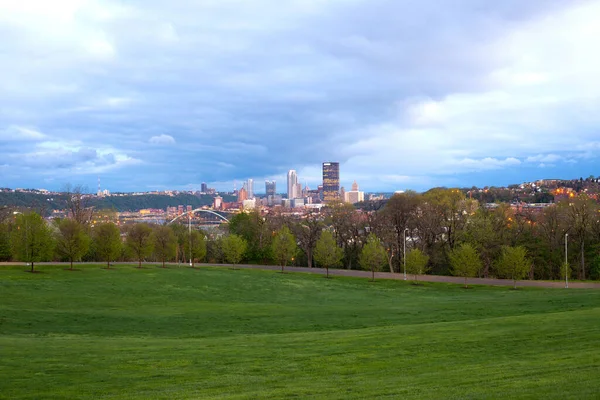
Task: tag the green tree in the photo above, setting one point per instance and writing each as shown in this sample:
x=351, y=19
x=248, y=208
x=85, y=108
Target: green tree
x=107, y=241
x=465, y=261
x=416, y=263
x=4, y=242
x=165, y=243
x=284, y=246
x=139, y=241
x=513, y=263
x=327, y=253
x=197, y=241
x=233, y=248
x=31, y=239
x=373, y=255
x=72, y=240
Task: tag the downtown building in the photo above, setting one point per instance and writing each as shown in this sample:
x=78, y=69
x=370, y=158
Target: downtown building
x=331, y=181
x=292, y=184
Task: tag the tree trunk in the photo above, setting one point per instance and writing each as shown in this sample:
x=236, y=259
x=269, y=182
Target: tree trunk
x=71, y=265
x=372, y=274
x=31, y=266
x=108, y=264
x=163, y=262
x=515, y=284
x=281, y=268
x=466, y=282
x=140, y=263
x=583, y=260
x=309, y=257
x=327, y=269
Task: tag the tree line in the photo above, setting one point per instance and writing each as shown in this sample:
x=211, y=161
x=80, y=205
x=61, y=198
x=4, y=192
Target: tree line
x=439, y=231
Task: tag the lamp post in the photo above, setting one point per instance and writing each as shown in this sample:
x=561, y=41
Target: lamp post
x=566, y=263
x=405, y=230
x=190, y=235
x=26, y=237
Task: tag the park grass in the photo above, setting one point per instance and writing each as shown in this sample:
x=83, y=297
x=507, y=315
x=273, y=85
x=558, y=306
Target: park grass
x=246, y=334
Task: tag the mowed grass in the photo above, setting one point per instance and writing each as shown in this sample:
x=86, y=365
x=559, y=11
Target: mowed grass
x=246, y=334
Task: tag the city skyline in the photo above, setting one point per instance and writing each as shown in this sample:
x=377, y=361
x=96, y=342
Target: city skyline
x=404, y=96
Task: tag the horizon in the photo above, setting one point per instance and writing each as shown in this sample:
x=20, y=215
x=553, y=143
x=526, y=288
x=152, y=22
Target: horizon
x=151, y=97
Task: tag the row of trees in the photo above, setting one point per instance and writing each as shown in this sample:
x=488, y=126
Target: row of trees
x=29, y=238
x=426, y=232
x=436, y=223
x=32, y=240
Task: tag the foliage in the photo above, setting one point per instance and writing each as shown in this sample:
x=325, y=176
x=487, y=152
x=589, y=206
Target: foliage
x=513, y=263
x=73, y=242
x=164, y=243
x=107, y=242
x=139, y=241
x=31, y=239
x=5, y=251
x=233, y=247
x=284, y=246
x=465, y=261
x=416, y=263
x=197, y=241
x=373, y=255
x=327, y=253
x=255, y=230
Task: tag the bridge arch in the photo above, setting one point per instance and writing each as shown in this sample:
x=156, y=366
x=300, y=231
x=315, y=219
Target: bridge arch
x=199, y=210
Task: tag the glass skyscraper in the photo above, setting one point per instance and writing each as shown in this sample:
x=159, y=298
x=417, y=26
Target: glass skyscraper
x=331, y=181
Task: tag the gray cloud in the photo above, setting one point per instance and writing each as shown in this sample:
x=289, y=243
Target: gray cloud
x=418, y=90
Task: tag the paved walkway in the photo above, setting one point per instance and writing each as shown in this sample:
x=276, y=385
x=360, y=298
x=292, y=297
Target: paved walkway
x=378, y=275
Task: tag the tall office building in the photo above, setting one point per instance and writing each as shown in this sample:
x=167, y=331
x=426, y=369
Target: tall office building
x=292, y=184
x=270, y=188
x=204, y=187
x=331, y=181
x=250, y=188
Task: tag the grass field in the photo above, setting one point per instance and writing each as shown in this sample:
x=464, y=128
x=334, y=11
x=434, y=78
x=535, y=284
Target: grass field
x=216, y=333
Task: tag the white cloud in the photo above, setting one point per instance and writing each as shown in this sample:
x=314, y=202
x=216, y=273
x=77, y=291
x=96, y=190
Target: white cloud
x=20, y=133
x=162, y=139
x=544, y=158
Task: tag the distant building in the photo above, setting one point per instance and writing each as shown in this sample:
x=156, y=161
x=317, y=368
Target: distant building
x=249, y=204
x=270, y=188
x=297, y=203
x=331, y=181
x=217, y=202
x=204, y=187
x=292, y=184
x=188, y=208
x=242, y=195
x=250, y=188
x=354, y=196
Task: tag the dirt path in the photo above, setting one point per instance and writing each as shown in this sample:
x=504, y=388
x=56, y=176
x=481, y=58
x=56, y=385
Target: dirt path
x=381, y=275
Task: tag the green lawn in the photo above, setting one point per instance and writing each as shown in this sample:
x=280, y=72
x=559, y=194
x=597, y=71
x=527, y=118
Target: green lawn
x=247, y=334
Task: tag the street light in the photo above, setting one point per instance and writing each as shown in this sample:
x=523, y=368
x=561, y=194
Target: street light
x=190, y=235
x=405, y=230
x=26, y=237
x=566, y=263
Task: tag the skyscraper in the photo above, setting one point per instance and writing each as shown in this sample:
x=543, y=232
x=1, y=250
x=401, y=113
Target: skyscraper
x=292, y=182
x=250, y=188
x=204, y=187
x=270, y=188
x=331, y=181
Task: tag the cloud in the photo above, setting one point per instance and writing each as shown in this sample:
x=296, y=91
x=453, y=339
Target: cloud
x=162, y=139
x=18, y=133
x=400, y=93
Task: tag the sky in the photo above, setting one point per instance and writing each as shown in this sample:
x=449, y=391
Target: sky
x=155, y=95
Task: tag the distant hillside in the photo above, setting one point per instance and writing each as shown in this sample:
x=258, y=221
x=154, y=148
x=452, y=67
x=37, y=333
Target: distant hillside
x=46, y=202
